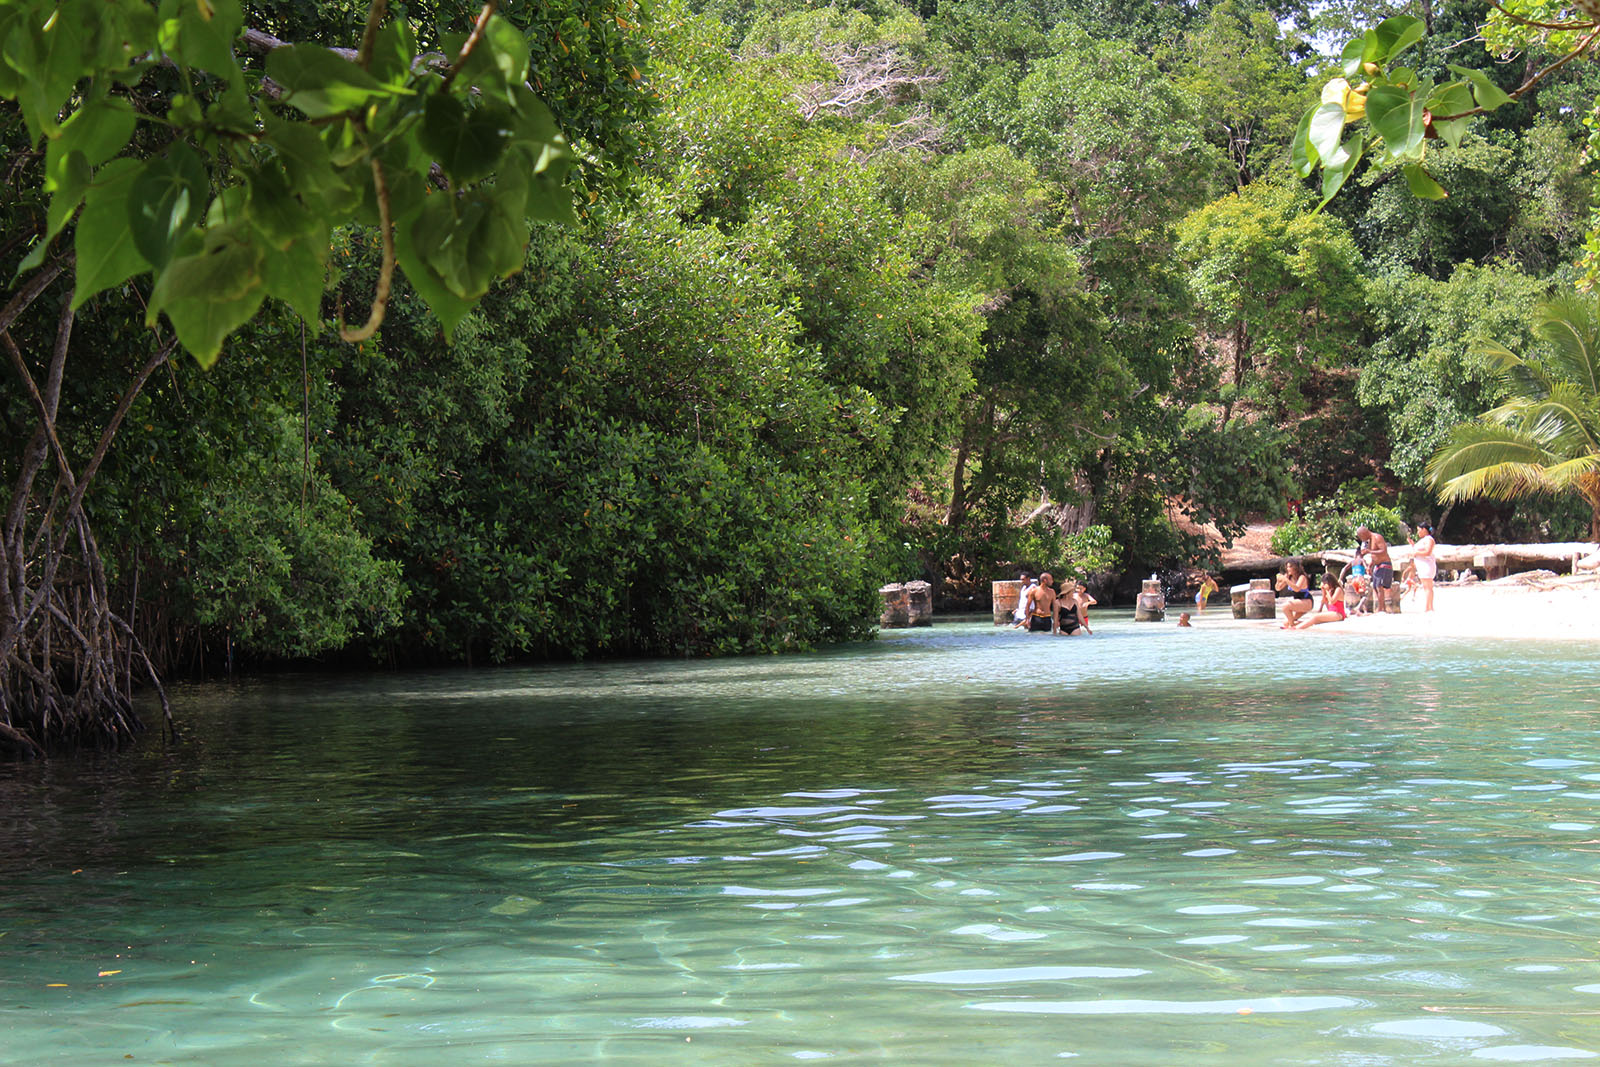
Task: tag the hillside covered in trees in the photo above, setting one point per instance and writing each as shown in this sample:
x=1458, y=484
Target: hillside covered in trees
x=847, y=293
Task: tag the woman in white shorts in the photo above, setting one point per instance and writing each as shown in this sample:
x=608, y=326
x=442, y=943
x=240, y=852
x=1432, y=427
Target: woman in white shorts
x=1427, y=566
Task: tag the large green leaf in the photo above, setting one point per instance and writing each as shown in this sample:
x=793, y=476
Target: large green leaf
x=168, y=197
x=1488, y=94
x=298, y=275
x=274, y=208
x=1327, y=129
x=1421, y=183
x=210, y=294
x=467, y=143
x=499, y=63
x=103, y=242
x=1454, y=98
x=1344, y=162
x=1396, y=34
x=1353, y=57
x=48, y=59
x=321, y=82
x=410, y=242
x=1397, y=116
x=200, y=33
x=1304, y=157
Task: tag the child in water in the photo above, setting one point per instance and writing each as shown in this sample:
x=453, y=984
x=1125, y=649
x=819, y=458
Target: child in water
x=1183, y=619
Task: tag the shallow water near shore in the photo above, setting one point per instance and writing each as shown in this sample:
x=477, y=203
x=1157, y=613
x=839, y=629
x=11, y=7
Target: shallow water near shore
x=958, y=845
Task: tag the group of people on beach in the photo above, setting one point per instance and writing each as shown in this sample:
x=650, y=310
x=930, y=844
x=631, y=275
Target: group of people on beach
x=1369, y=575
x=1042, y=608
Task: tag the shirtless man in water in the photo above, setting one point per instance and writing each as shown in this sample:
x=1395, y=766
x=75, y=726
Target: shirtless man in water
x=1380, y=567
x=1042, y=605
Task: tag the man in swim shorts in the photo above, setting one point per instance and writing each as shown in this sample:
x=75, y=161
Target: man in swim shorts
x=1378, y=563
x=1042, y=605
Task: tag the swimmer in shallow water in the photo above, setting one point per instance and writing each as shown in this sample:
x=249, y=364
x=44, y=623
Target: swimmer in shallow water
x=1183, y=620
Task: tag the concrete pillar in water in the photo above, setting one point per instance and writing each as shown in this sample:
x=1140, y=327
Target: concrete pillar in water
x=1152, y=603
x=896, y=607
x=1260, y=602
x=919, y=604
x=1006, y=595
x=1236, y=597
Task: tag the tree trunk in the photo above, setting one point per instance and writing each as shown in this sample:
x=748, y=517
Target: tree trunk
x=68, y=662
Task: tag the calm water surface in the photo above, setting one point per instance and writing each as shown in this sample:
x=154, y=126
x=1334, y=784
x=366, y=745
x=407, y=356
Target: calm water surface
x=960, y=846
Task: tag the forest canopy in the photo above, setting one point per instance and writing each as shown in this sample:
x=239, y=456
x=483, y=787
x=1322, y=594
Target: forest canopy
x=690, y=324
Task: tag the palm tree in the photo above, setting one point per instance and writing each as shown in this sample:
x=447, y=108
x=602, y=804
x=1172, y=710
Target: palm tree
x=1545, y=437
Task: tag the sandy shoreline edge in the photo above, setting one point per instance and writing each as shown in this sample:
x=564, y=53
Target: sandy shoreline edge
x=1543, y=607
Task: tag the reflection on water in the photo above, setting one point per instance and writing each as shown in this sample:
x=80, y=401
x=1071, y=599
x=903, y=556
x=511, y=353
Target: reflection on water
x=1225, y=846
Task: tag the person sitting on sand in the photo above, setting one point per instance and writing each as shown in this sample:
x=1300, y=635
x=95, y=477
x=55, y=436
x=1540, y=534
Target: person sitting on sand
x=1207, y=586
x=1042, y=605
x=1332, y=609
x=1295, y=583
x=1356, y=592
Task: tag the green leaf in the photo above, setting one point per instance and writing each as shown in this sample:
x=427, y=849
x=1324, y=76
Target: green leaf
x=1422, y=185
x=1397, y=34
x=1488, y=94
x=1334, y=175
x=99, y=130
x=103, y=241
x=1327, y=127
x=1352, y=58
x=72, y=178
x=1397, y=116
x=321, y=82
x=466, y=143
x=446, y=306
x=304, y=156
x=200, y=34
x=499, y=63
x=208, y=295
x=168, y=197
x=298, y=275
x=1302, y=154
x=274, y=208
x=393, y=53
x=49, y=59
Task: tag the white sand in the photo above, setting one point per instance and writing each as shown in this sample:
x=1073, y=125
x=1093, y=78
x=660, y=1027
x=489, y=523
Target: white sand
x=1537, y=606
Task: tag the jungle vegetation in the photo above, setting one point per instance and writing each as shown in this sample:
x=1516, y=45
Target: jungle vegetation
x=689, y=323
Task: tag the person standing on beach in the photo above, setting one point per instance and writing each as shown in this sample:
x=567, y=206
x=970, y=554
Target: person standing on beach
x=1380, y=567
x=1427, y=564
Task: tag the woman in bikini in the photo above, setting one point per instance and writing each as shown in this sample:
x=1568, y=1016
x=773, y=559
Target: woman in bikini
x=1332, y=606
x=1294, y=582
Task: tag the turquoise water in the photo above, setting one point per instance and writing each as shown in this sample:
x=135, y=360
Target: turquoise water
x=965, y=846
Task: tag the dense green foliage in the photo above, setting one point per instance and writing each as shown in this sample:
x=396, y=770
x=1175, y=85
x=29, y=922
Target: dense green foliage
x=711, y=319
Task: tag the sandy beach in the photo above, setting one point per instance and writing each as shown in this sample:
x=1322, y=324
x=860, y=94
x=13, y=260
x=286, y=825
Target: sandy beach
x=1533, y=606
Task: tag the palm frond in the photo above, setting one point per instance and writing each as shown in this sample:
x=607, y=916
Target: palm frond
x=1577, y=473
x=1517, y=377
x=1571, y=324
x=1475, y=445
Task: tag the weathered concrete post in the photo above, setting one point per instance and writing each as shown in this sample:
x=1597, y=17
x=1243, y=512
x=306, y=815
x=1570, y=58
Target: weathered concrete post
x=1237, y=594
x=919, y=603
x=896, y=607
x=1493, y=564
x=1152, y=603
x=1006, y=595
x=1260, y=602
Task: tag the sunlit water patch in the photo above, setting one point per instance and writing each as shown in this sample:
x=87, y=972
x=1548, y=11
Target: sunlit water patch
x=955, y=846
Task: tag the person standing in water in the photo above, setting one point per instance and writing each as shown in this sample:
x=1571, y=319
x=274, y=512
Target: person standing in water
x=1207, y=587
x=1042, y=605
